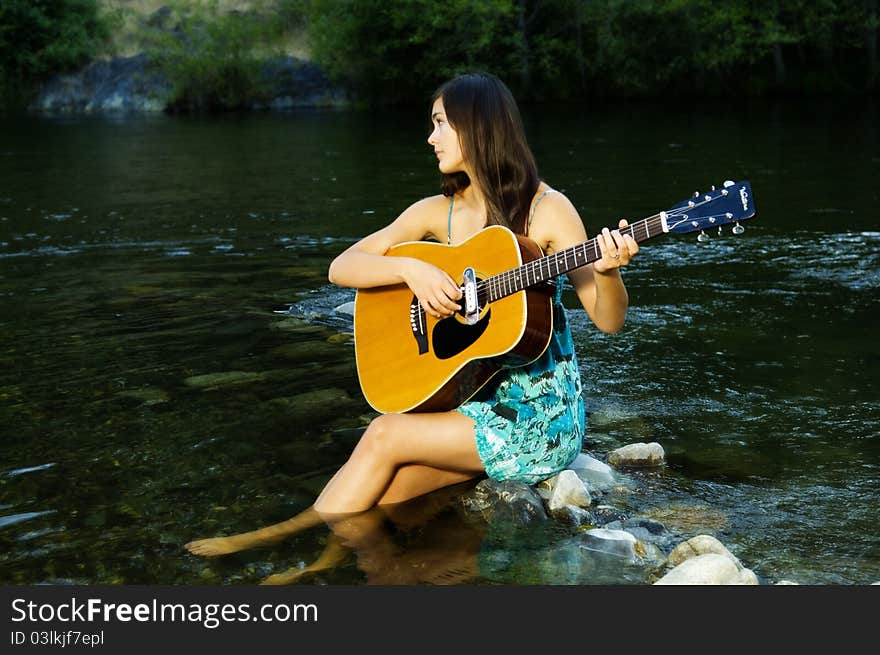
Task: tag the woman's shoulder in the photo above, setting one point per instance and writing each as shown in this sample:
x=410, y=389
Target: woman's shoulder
x=430, y=209
x=429, y=204
x=554, y=218
x=429, y=214
x=551, y=202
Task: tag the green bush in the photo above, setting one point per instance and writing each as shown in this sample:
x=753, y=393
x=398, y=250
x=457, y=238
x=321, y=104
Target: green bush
x=214, y=59
x=42, y=37
x=388, y=52
x=558, y=49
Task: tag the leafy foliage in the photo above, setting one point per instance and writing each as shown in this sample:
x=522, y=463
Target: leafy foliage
x=573, y=48
x=213, y=59
x=387, y=52
x=40, y=37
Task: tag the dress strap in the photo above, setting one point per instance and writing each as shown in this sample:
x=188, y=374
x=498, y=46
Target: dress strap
x=535, y=206
x=449, y=222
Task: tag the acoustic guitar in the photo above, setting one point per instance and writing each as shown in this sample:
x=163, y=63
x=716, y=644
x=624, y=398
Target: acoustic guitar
x=409, y=361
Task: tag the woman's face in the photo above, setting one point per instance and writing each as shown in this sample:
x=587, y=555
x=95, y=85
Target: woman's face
x=444, y=140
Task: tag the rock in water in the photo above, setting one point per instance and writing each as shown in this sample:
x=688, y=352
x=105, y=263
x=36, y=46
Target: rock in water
x=638, y=454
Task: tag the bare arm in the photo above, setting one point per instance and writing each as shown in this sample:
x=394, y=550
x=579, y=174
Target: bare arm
x=364, y=264
x=599, y=287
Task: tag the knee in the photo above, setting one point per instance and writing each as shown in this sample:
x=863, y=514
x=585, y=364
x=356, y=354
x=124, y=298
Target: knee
x=378, y=439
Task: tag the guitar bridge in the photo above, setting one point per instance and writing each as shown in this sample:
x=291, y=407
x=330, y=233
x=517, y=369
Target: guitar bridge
x=418, y=325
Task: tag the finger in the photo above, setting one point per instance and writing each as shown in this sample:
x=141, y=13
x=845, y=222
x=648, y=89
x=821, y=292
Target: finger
x=617, y=237
x=446, y=306
x=452, y=289
x=625, y=229
x=440, y=301
x=611, y=246
x=632, y=245
x=600, y=239
x=429, y=309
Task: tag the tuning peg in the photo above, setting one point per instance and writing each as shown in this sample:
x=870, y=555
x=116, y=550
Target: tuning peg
x=713, y=187
x=702, y=237
x=719, y=230
x=728, y=183
x=737, y=229
x=696, y=194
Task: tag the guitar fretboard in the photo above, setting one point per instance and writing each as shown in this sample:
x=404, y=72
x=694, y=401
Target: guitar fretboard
x=559, y=263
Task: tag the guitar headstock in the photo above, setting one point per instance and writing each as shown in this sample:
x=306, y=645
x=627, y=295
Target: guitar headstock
x=732, y=203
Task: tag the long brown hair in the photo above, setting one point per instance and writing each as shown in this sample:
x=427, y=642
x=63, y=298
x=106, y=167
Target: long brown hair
x=483, y=111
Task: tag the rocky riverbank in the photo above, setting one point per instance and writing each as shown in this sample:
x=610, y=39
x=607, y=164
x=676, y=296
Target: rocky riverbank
x=126, y=85
x=131, y=83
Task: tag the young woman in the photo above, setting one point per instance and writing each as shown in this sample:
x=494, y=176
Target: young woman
x=529, y=424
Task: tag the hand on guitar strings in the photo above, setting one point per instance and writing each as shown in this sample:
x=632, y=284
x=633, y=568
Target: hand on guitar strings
x=436, y=290
x=617, y=249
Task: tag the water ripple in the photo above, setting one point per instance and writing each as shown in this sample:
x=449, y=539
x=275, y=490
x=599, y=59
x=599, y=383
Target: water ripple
x=12, y=519
x=30, y=469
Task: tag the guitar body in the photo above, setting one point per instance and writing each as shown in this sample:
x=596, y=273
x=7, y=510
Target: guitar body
x=410, y=361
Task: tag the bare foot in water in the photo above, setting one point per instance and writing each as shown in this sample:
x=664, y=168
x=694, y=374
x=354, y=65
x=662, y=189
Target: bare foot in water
x=263, y=537
x=288, y=577
x=334, y=553
x=219, y=546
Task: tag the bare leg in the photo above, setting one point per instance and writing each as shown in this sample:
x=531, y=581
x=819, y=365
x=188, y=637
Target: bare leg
x=409, y=482
x=413, y=480
x=264, y=536
x=332, y=556
x=441, y=442
x=349, y=532
x=399, y=457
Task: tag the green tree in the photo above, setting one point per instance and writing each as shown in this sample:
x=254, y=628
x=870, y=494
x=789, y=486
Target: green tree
x=41, y=37
x=214, y=59
x=393, y=51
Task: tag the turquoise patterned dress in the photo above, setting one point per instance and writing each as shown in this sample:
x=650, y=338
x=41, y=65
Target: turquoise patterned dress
x=529, y=421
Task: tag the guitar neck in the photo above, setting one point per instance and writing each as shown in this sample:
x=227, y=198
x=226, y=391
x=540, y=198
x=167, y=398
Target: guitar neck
x=559, y=263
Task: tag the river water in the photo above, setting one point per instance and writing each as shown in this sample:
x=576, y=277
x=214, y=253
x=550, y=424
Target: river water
x=173, y=366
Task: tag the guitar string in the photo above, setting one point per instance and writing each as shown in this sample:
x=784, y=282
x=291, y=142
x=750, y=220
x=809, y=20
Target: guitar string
x=508, y=282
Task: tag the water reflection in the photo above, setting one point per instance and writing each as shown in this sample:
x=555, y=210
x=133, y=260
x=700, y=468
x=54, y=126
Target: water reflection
x=422, y=541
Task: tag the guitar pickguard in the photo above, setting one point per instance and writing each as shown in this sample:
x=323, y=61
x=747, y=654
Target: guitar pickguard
x=450, y=337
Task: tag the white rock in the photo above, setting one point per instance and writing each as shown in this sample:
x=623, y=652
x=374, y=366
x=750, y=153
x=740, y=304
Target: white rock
x=747, y=577
x=708, y=569
x=595, y=473
x=638, y=454
x=568, y=489
x=613, y=542
x=614, y=535
x=702, y=544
